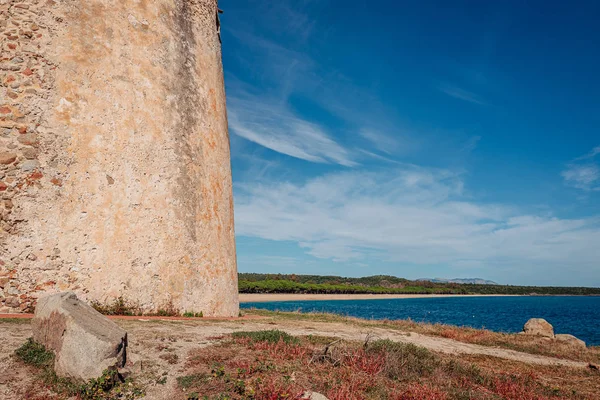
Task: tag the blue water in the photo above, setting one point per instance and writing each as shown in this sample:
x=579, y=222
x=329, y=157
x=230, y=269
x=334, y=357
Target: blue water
x=579, y=316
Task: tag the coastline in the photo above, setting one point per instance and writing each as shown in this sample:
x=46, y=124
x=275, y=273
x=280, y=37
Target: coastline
x=269, y=297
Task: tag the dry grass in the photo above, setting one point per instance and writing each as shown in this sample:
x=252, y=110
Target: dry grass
x=484, y=337
x=578, y=383
x=253, y=366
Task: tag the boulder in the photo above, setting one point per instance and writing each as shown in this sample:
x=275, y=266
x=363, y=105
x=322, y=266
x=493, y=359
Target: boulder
x=538, y=327
x=570, y=339
x=85, y=342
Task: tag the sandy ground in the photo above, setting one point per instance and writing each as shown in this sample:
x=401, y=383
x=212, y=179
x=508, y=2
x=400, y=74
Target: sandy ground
x=267, y=297
x=160, y=348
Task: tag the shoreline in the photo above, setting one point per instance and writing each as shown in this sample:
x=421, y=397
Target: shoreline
x=276, y=297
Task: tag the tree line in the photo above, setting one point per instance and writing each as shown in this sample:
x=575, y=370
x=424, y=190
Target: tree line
x=382, y=284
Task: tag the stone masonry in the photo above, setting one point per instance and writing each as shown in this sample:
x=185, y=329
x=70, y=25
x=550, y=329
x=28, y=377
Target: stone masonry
x=115, y=176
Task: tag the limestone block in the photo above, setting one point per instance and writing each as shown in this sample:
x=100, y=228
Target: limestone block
x=538, y=327
x=84, y=341
x=570, y=339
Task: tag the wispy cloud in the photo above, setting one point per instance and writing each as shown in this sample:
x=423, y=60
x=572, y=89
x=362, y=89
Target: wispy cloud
x=382, y=142
x=461, y=94
x=593, y=153
x=278, y=73
x=274, y=126
x=584, y=172
x=410, y=215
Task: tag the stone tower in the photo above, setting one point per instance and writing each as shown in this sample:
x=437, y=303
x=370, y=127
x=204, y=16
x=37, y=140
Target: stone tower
x=115, y=176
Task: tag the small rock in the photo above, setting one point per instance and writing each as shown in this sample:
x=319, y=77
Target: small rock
x=538, y=327
x=30, y=153
x=12, y=302
x=30, y=165
x=7, y=158
x=85, y=342
x=313, y=396
x=570, y=339
x=29, y=139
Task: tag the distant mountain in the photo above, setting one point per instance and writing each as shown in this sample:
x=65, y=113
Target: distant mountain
x=476, y=281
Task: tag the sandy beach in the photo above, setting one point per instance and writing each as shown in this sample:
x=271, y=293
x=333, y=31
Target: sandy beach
x=267, y=297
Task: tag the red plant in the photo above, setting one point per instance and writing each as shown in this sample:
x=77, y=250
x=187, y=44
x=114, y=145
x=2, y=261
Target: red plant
x=370, y=363
x=417, y=391
x=515, y=388
x=272, y=388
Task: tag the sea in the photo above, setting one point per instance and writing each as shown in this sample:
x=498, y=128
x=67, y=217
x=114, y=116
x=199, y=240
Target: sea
x=576, y=315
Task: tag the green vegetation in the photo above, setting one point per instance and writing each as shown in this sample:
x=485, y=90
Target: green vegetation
x=523, y=343
x=35, y=354
x=269, y=368
x=193, y=380
x=109, y=386
x=189, y=314
x=382, y=284
x=271, y=336
x=119, y=306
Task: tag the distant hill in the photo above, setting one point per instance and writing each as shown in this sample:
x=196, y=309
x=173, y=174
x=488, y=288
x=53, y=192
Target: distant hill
x=292, y=283
x=472, y=281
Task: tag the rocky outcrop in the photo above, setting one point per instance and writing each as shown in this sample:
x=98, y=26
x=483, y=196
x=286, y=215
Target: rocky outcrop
x=570, y=339
x=541, y=327
x=85, y=342
x=538, y=327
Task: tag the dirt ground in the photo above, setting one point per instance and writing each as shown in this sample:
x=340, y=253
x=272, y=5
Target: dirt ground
x=159, y=348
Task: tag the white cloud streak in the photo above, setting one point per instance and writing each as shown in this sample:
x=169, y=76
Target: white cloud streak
x=461, y=94
x=584, y=172
x=273, y=126
x=411, y=215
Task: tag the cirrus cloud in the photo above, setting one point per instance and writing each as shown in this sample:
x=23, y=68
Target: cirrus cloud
x=584, y=172
x=410, y=215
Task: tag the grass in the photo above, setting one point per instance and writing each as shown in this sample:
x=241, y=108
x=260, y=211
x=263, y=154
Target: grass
x=35, y=354
x=270, y=365
x=523, y=343
x=120, y=306
x=271, y=336
x=189, y=314
x=190, y=381
x=22, y=321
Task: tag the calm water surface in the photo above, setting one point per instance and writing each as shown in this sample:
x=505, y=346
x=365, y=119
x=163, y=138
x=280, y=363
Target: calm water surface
x=579, y=316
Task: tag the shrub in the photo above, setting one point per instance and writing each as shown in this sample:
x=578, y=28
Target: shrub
x=405, y=361
x=190, y=314
x=119, y=306
x=272, y=336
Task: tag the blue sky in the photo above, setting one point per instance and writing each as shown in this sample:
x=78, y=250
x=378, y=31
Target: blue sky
x=417, y=138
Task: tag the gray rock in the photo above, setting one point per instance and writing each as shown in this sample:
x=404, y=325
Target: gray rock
x=12, y=302
x=30, y=165
x=538, y=327
x=84, y=341
x=570, y=339
x=313, y=396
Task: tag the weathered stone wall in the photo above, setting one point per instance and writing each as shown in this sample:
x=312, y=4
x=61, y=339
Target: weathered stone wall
x=115, y=172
